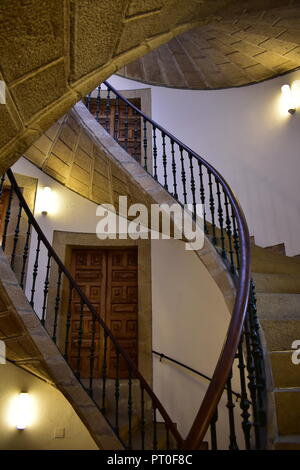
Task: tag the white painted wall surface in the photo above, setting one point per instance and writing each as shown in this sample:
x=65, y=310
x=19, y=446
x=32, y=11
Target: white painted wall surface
x=245, y=134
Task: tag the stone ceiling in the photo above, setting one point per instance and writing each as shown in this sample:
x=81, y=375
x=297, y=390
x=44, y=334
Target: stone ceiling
x=236, y=49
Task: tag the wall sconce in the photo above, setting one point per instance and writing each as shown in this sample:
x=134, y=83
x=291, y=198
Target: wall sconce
x=23, y=410
x=45, y=202
x=290, y=96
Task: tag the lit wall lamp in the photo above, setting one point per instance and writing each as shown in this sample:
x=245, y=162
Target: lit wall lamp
x=290, y=96
x=46, y=200
x=23, y=411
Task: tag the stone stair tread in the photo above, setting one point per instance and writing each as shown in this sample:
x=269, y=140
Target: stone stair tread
x=278, y=306
x=285, y=374
x=277, y=283
x=287, y=402
x=280, y=334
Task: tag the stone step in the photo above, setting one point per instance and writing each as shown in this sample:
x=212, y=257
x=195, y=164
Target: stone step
x=273, y=306
x=277, y=283
x=280, y=334
x=267, y=264
x=287, y=402
x=278, y=249
x=285, y=373
x=287, y=442
x=259, y=252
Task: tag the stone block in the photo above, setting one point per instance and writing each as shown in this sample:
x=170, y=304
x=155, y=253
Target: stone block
x=39, y=90
x=81, y=175
x=32, y=35
x=85, y=143
x=62, y=151
x=91, y=48
x=43, y=144
x=68, y=136
x=83, y=160
x=56, y=168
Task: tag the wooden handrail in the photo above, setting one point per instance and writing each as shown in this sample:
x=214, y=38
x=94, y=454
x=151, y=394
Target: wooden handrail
x=223, y=367
x=155, y=401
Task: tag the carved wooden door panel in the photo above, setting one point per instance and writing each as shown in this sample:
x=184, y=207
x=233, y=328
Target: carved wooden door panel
x=89, y=270
x=122, y=306
x=109, y=280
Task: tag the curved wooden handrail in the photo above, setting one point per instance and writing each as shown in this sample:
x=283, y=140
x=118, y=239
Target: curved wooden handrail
x=155, y=401
x=223, y=367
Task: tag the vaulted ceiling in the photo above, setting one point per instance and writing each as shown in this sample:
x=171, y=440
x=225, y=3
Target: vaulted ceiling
x=235, y=49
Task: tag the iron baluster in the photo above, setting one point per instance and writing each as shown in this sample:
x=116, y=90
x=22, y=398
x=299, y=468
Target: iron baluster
x=46, y=289
x=213, y=431
x=68, y=322
x=183, y=176
x=252, y=381
x=235, y=240
x=230, y=405
x=25, y=254
x=57, y=302
x=229, y=235
x=117, y=120
x=88, y=101
x=98, y=104
x=244, y=403
x=164, y=159
x=212, y=207
x=92, y=357
x=202, y=196
x=154, y=152
x=7, y=218
x=35, y=271
x=16, y=237
x=104, y=370
x=193, y=185
x=145, y=142
x=129, y=409
x=126, y=127
x=135, y=136
x=117, y=392
x=175, y=195
x=257, y=356
x=107, y=110
x=79, y=340
x=221, y=220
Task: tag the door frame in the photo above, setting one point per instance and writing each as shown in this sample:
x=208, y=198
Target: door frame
x=64, y=242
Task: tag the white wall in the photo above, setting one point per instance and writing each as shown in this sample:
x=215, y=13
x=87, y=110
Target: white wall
x=190, y=317
x=50, y=413
x=245, y=134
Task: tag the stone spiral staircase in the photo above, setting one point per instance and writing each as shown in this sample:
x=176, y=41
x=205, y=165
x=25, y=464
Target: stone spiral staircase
x=272, y=273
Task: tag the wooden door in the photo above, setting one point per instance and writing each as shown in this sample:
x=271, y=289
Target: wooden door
x=109, y=280
x=121, y=122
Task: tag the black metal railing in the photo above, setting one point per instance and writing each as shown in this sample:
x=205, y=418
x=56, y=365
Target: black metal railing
x=124, y=397
x=192, y=180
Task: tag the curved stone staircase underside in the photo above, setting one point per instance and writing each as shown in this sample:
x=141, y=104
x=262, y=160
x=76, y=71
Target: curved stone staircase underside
x=53, y=53
x=233, y=50
x=80, y=154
